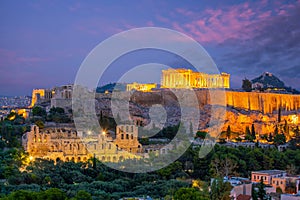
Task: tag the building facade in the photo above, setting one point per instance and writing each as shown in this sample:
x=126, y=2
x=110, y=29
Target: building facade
x=40, y=95
x=287, y=183
x=266, y=175
x=186, y=78
x=143, y=87
x=127, y=138
x=66, y=144
x=62, y=97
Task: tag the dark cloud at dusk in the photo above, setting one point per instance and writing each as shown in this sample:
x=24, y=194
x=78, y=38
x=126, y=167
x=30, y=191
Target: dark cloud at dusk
x=42, y=44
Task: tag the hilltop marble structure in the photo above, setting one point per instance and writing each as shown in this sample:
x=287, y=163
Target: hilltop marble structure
x=186, y=78
x=57, y=97
x=143, y=87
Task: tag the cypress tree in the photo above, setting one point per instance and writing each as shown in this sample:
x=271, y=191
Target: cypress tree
x=279, y=115
x=253, y=132
x=228, y=132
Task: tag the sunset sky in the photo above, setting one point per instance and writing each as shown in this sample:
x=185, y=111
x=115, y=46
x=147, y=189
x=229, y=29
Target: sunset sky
x=43, y=43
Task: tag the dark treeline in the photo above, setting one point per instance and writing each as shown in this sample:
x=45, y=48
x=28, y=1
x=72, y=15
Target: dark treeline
x=102, y=182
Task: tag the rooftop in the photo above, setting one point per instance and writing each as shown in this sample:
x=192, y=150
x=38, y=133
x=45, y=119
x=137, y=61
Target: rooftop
x=269, y=172
x=243, y=197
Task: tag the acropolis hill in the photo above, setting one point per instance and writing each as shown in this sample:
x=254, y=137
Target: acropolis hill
x=242, y=108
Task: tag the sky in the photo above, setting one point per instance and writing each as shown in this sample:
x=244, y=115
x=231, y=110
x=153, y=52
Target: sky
x=43, y=43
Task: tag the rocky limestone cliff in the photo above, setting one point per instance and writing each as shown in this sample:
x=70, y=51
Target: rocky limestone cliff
x=242, y=108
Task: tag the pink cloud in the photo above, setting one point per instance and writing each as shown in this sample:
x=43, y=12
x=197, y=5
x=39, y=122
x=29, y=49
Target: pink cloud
x=32, y=59
x=150, y=23
x=231, y=22
x=162, y=19
x=9, y=58
x=185, y=12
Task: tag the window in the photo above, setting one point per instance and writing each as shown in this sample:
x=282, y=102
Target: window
x=122, y=136
x=132, y=136
x=131, y=128
x=254, y=177
x=265, y=178
x=127, y=129
x=127, y=136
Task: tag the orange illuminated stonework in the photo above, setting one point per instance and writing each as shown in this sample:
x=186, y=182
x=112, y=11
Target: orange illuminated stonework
x=66, y=144
x=186, y=78
x=127, y=138
x=143, y=87
x=40, y=95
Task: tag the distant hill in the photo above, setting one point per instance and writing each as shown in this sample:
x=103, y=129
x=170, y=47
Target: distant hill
x=111, y=86
x=268, y=81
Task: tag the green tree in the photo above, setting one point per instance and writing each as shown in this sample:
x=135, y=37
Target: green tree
x=38, y=111
x=83, y=195
x=220, y=190
x=254, y=193
x=247, y=85
x=270, y=137
x=228, y=132
x=58, y=110
x=40, y=124
x=190, y=193
x=279, y=115
x=253, y=133
x=201, y=134
x=279, y=139
x=221, y=167
x=248, y=134
x=53, y=194
x=261, y=193
x=22, y=195
x=94, y=162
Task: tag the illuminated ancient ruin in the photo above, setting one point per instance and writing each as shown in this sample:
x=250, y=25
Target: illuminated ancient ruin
x=66, y=144
x=186, y=78
x=143, y=87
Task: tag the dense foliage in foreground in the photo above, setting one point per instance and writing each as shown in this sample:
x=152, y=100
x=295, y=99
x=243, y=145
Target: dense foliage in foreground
x=104, y=183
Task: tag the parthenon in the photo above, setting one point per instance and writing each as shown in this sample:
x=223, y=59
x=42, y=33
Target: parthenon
x=186, y=78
